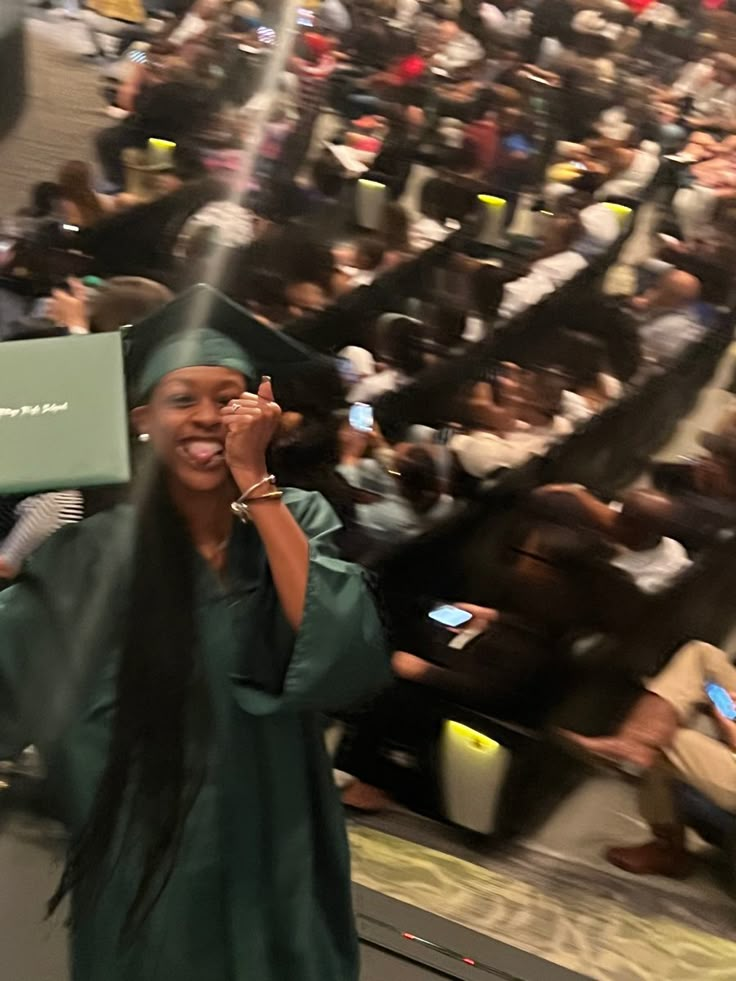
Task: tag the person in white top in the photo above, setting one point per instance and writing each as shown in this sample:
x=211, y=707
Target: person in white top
x=558, y=263
x=507, y=426
x=398, y=349
x=456, y=49
x=655, y=568
x=632, y=172
x=651, y=560
x=601, y=228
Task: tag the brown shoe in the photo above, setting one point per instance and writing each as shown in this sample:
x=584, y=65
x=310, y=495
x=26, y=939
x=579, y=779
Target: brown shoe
x=666, y=855
x=364, y=797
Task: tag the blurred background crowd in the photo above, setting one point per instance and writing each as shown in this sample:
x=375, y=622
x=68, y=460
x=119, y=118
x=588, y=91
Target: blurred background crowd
x=510, y=229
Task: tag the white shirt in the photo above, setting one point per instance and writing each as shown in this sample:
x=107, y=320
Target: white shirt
x=480, y=453
x=369, y=389
x=575, y=408
x=494, y=19
x=425, y=232
x=600, y=230
x=653, y=569
x=461, y=51
x=634, y=179
x=694, y=76
x=394, y=519
x=545, y=276
x=667, y=334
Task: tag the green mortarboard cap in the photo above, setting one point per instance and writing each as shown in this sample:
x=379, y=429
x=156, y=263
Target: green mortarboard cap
x=203, y=327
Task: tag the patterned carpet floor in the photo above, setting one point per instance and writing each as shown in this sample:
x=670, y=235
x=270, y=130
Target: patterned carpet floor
x=574, y=917
x=63, y=111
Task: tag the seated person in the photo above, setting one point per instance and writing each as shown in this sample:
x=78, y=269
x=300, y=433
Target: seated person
x=175, y=105
x=361, y=263
x=583, y=365
x=714, y=97
x=657, y=742
x=712, y=181
x=600, y=226
x=509, y=663
x=497, y=663
x=429, y=227
x=80, y=204
x=398, y=502
x=487, y=284
x=399, y=341
x=710, y=255
x=508, y=422
x=118, y=301
x=668, y=323
x=632, y=170
x=557, y=263
x=304, y=453
x=454, y=49
x=579, y=166
x=632, y=527
x=512, y=165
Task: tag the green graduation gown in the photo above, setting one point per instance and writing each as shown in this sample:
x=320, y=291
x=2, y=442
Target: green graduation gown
x=261, y=887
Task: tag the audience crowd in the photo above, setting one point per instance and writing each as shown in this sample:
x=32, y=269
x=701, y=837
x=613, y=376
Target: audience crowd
x=426, y=180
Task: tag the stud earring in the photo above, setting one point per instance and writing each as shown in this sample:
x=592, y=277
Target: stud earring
x=143, y=437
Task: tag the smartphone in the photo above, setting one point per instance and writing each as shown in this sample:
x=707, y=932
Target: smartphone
x=361, y=417
x=450, y=616
x=721, y=699
x=69, y=228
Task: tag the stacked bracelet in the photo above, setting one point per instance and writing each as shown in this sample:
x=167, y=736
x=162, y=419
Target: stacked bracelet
x=241, y=506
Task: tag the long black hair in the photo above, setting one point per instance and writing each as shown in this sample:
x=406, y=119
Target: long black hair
x=158, y=752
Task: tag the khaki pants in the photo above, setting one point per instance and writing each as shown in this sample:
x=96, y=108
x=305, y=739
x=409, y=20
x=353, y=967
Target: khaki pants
x=693, y=757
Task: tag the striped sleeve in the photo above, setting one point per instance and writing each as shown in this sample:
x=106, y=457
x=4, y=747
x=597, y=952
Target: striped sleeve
x=38, y=518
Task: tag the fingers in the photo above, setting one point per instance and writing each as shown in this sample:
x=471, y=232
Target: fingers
x=77, y=287
x=265, y=391
x=250, y=407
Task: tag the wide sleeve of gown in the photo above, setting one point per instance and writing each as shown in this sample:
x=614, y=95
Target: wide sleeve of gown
x=45, y=619
x=340, y=654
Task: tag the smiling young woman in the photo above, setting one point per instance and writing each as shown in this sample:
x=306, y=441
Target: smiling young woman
x=172, y=677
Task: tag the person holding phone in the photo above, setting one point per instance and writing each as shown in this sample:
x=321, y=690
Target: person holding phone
x=476, y=657
x=171, y=660
x=657, y=741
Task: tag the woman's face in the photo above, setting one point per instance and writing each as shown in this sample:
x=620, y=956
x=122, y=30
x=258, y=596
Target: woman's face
x=184, y=421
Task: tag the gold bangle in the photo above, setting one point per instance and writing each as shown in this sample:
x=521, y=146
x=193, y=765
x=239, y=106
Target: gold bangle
x=240, y=507
x=268, y=479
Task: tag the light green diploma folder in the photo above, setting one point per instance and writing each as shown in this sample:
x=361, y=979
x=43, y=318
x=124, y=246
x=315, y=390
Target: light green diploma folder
x=63, y=414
